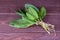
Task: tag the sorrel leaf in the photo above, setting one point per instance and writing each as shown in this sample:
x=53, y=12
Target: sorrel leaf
x=42, y=13
x=21, y=23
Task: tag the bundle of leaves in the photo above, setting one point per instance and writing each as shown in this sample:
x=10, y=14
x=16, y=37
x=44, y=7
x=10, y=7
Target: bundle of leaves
x=32, y=15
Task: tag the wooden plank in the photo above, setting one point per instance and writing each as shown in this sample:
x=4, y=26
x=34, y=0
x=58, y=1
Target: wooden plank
x=29, y=36
x=8, y=10
x=10, y=6
x=6, y=19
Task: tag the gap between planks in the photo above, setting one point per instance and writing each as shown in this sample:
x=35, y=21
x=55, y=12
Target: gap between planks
x=17, y=14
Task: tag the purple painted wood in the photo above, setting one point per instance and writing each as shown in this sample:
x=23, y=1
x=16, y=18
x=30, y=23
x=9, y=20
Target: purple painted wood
x=5, y=19
x=7, y=14
x=9, y=6
x=28, y=36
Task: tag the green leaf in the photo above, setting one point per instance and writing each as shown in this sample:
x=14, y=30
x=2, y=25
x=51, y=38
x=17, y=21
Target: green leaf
x=29, y=16
x=24, y=16
x=30, y=5
x=33, y=14
x=42, y=13
x=21, y=23
x=20, y=12
x=27, y=19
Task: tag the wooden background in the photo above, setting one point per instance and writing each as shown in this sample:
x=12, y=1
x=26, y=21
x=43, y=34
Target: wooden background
x=7, y=14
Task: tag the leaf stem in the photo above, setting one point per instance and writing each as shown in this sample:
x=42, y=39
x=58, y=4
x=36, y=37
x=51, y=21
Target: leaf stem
x=47, y=27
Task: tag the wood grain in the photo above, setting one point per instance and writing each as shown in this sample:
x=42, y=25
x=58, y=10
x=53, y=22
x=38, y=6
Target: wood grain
x=29, y=36
x=8, y=10
x=6, y=19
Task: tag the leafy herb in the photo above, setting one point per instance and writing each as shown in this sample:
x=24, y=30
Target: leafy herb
x=42, y=13
x=21, y=23
x=32, y=15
